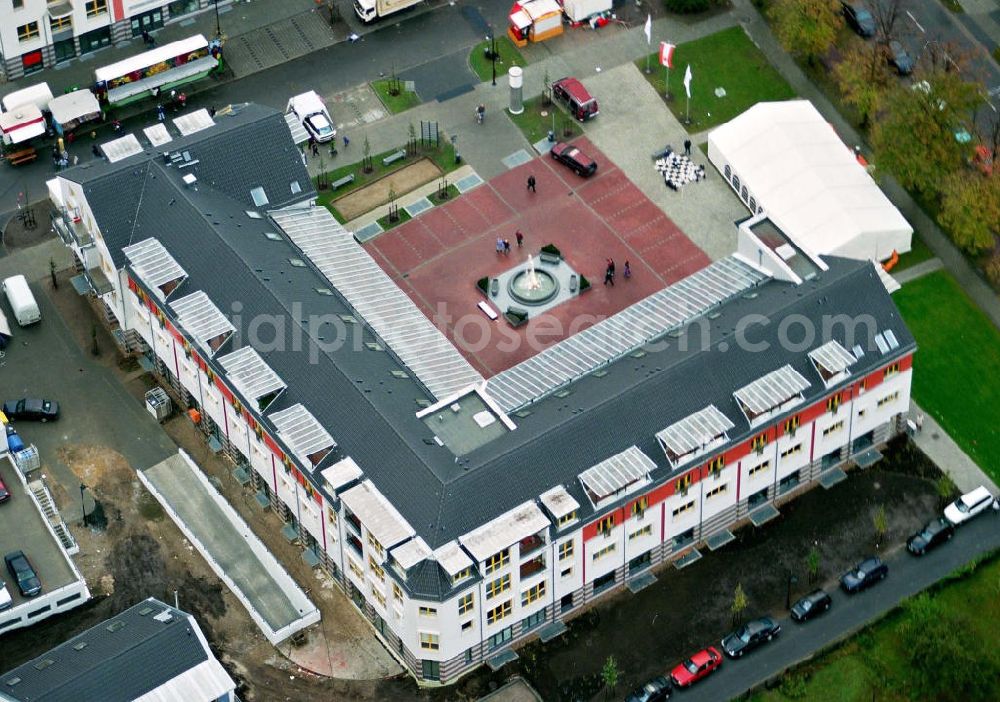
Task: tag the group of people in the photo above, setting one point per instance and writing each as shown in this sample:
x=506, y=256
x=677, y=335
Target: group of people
x=609, y=272
x=503, y=245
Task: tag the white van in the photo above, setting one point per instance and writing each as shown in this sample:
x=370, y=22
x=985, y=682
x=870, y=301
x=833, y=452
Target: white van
x=22, y=302
x=311, y=111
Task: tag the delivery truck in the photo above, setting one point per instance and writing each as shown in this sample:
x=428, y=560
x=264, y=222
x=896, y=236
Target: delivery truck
x=371, y=10
x=22, y=302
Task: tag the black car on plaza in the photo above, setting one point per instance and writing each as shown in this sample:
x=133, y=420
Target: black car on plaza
x=32, y=408
x=935, y=532
x=812, y=605
x=656, y=690
x=750, y=636
x=24, y=573
x=864, y=575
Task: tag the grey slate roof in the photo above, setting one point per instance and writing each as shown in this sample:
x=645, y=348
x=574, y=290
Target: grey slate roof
x=371, y=415
x=111, y=661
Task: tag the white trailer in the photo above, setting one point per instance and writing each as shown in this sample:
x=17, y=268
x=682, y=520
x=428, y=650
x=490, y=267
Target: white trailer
x=371, y=10
x=582, y=10
x=22, y=302
x=311, y=111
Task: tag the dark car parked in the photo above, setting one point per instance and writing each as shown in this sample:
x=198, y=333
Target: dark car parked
x=864, y=574
x=859, y=19
x=935, y=532
x=21, y=570
x=31, y=408
x=900, y=59
x=576, y=160
x=656, y=690
x=750, y=636
x=812, y=605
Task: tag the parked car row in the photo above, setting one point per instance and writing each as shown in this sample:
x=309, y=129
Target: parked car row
x=867, y=572
x=860, y=19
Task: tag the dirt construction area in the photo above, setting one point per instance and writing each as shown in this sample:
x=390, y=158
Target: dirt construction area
x=375, y=194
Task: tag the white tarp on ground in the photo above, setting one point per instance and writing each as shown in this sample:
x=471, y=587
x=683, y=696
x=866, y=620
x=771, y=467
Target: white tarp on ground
x=791, y=161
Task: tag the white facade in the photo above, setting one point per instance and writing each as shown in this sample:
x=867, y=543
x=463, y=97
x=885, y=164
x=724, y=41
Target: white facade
x=785, y=159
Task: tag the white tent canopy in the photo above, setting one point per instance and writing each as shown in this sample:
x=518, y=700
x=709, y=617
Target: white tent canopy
x=79, y=105
x=38, y=95
x=792, y=163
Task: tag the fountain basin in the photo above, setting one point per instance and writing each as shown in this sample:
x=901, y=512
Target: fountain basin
x=533, y=286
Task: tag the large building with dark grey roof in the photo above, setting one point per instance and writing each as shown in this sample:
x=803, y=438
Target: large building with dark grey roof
x=463, y=514
x=151, y=651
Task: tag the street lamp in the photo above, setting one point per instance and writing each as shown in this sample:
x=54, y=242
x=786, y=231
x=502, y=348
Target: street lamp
x=792, y=580
x=492, y=40
x=218, y=27
x=83, y=505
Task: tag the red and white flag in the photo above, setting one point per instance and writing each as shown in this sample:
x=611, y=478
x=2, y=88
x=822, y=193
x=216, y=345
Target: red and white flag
x=667, y=54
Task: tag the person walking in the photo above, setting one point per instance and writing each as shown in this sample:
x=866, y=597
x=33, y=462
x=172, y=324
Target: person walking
x=499, y=244
x=506, y=247
x=347, y=142
x=315, y=148
x=611, y=267
x=687, y=147
x=160, y=113
x=531, y=183
x=96, y=150
x=520, y=238
x=627, y=271
x=609, y=273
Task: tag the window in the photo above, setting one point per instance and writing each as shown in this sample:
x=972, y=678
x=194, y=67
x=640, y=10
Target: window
x=833, y=403
x=683, y=508
x=355, y=568
x=60, y=23
x=606, y=524
x=736, y=182
x=639, y=506
x=758, y=443
x=833, y=428
x=716, y=464
x=533, y=594
x=96, y=7
x=18, y=4
x=498, y=612
x=567, y=518
x=377, y=570
x=498, y=586
x=428, y=612
x=715, y=492
x=683, y=483
x=645, y=531
x=530, y=622
x=727, y=171
x=465, y=603
x=497, y=560
x=743, y=193
x=889, y=398
x=429, y=641
x=757, y=469
x=791, y=424
x=890, y=370
x=379, y=597
x=566, y=572
x=430, y=670
x=861, y=413
x=467, y=625
x=610, y=548
x=791, y=451
x=397, y=593
x=27, y=32
x=565, y=550
x=461, y=575
x=376, y=546
x=753, y=204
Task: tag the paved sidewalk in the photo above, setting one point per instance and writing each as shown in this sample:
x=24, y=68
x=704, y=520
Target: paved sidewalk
x=935, y=239
x=949, y=457
x=918, y=271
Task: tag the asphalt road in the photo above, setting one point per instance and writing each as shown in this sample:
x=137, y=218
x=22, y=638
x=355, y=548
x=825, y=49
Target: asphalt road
x=908, y=575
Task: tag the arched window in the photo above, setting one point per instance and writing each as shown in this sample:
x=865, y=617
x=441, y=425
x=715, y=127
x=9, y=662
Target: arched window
x=743, y=193
x=727, y=171
x=736, y=182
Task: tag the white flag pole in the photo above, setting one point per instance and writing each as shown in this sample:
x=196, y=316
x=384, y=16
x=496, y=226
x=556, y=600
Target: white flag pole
x=648, y=29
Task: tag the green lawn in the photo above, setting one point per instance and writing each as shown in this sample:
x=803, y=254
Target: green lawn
x=957, y=365
x=918, y=253
x=508, y=56
x=394, y=103
x=872, y=664
x=536, y=126
x=386, y=225
x=726, y=59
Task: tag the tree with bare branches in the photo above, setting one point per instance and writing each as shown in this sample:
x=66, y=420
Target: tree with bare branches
x=806, y=27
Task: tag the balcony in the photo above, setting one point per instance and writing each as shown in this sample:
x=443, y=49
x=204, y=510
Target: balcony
x=535, y=565
x=353, y=520
x=70, y=231
x=355, y=544
x=530, y=544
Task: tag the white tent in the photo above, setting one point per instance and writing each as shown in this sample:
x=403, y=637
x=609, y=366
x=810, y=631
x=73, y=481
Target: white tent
x=785, y=159
x=38, y=95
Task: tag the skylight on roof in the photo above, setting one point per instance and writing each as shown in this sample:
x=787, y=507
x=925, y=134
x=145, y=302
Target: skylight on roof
x=259, y=196
x=272, y=236
x=296, y=188
x=253, y=215
x=297, y=262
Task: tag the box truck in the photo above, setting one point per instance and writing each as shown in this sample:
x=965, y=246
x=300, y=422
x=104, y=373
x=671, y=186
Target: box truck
x=371, y=10
x=22, y=302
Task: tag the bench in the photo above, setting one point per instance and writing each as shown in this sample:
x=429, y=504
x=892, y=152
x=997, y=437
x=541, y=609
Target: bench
x=487, y=310
x=494, y=287
x=341, y=182
x=23, y=156
x=572, y=283
x=392, y=158
x=550, y=258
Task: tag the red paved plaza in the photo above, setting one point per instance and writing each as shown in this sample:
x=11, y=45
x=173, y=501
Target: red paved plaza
x=438, y=256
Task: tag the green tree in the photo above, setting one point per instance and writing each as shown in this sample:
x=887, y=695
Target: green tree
x=739, y=605
x=807, y=28
x=609, y=674
x=880, y=522
x=970, y=209
x=945, y=488
x=812, y=564
x=863, y=77
x=914, y=138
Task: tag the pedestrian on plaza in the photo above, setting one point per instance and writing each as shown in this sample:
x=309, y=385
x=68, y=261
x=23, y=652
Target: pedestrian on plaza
x=611, y=267
x=315, y=148
x=531, y=183
x=182, y=100
x=147, y=38
x=520, y=238
x=211, y=111
x=627, y=272
x=687, y=147
x=609, y=277
x=96, y=150
x=347, y=142
x=160, y=113
x=920, y=422
x=499, y=244
x=506, y=247
x=116, y=124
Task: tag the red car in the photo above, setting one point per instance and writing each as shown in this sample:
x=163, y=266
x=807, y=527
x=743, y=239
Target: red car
x=696, y=667
x=580, y=102
x=574, y=159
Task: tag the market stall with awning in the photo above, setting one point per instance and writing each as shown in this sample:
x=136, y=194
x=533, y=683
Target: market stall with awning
x=38, y=95
x=534, y=20
x=73, y=109
x=22, y=123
